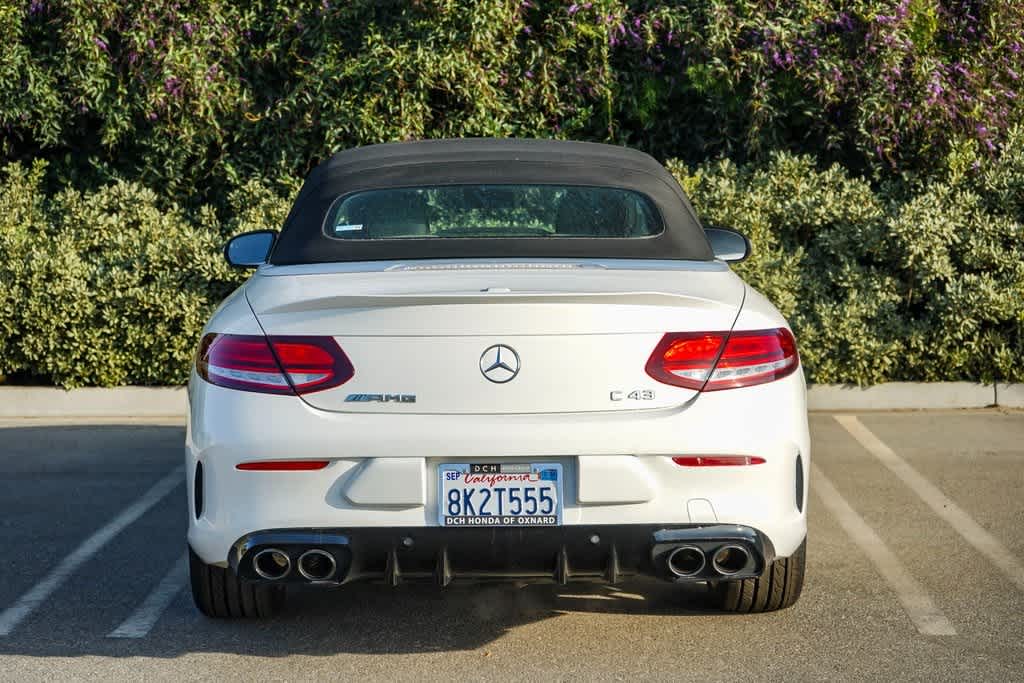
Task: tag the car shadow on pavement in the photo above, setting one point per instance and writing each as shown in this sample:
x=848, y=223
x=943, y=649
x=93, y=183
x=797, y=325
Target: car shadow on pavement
x=371, y=619
x=63, y=482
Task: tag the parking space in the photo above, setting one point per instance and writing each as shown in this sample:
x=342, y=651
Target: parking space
x=900, y=584
x=973, y=458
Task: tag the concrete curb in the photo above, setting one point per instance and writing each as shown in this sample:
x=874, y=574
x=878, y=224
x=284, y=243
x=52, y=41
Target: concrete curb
x=41, y=402
x=172, y=402
x=904, y=396
x=1010, y=395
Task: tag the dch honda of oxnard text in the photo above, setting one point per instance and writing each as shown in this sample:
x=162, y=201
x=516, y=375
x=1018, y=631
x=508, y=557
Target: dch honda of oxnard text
x=477, y=359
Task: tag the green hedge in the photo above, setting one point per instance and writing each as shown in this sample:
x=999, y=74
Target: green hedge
x=107, y=287
x=926, y=284
x=875, y=146
x=113, y=286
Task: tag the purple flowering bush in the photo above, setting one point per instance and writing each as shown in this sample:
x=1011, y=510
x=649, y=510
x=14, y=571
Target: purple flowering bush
x=193, y=96
x=886, y=87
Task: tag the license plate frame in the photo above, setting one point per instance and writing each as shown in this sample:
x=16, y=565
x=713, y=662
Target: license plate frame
x=545, y=480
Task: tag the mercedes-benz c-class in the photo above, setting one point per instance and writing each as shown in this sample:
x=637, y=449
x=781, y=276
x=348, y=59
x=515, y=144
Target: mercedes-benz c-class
x=463, y=360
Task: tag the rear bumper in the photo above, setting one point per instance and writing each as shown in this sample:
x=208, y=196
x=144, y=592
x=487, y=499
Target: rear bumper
x=558, y=554
x=382, y=472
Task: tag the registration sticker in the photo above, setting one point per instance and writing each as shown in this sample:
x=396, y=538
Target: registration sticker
x=500, y=494
x=353, y=227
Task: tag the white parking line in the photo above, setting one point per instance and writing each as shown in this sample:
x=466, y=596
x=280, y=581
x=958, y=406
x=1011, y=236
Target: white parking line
x=141, y=621
x=584, y=596
x=927, y=617
x=27, y=603
x=972, y=532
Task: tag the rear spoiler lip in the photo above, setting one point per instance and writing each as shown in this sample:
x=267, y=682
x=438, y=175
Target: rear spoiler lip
x=498, y=264
x=477, y=297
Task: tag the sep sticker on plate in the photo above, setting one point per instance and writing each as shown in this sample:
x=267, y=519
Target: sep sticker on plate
x=500, y=494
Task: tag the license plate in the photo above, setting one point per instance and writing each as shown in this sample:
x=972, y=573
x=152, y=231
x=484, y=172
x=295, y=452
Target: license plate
x=500, y=494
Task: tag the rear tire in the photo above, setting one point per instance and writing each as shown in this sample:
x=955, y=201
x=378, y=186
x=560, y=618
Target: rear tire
x=777, y=588
x=218, y=593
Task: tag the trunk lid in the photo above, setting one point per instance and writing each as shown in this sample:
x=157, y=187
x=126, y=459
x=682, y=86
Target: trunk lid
x=424, y=338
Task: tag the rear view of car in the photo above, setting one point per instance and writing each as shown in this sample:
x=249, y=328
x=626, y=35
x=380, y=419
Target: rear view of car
x=478, y=359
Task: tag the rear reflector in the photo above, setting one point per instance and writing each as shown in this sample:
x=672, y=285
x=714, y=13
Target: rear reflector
x=717, y=460
x=282, y=465
x=273, y=365
x=709, y=361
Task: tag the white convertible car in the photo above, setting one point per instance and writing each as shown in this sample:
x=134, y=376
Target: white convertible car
x=495, y=359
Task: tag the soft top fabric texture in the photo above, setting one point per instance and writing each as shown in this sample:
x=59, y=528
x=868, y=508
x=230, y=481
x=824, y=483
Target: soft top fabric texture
x=488, y=161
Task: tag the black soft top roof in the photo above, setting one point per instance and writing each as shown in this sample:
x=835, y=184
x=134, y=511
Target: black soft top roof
x=488, y=161
x=498, y=150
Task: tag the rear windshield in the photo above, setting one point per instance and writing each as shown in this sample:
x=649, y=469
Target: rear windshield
x=506, y=211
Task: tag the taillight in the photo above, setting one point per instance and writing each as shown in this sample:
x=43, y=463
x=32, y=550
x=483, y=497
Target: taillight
x=709, y=361
x=273, y=365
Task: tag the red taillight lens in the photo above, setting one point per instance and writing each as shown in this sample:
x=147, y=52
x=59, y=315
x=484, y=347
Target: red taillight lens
x=686, y=359
x=273, y=365
x=241, y=362
x=282, y=465
x=717, y=460
x=709, y=361
x=312, y=363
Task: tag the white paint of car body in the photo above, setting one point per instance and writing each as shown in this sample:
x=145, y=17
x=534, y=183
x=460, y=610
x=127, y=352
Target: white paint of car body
x=589, y=326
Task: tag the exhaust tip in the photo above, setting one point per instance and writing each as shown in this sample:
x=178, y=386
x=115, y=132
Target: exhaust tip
x=686, y=560
x=272, y=564
x=730, y=559
x=317, y=565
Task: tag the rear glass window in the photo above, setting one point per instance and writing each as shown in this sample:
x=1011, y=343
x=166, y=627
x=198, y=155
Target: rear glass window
x=511, y=211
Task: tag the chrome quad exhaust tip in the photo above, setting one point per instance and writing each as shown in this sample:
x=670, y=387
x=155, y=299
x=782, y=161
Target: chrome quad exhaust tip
x=685, y=561
x=272, y=564
x=716, y=552
x=317, y=565
x=730, y=559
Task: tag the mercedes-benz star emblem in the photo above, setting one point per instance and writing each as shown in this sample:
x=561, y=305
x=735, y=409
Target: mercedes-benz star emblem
x=499, y=363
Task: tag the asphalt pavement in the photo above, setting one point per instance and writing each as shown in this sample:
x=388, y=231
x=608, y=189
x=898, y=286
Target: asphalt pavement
x=915, y=573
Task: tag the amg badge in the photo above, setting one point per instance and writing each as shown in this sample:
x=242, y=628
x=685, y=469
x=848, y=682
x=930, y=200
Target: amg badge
x=380, y=398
